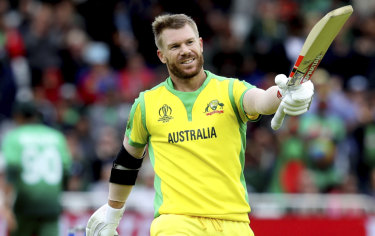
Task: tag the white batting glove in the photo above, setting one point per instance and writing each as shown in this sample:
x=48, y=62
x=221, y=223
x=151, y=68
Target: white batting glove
x=295, y=100
x=104, y=221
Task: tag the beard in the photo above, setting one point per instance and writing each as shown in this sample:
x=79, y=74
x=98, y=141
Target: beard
x=180, y=73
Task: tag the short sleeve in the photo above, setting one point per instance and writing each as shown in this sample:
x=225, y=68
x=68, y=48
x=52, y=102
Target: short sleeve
x=239, y=90
x=136, y=126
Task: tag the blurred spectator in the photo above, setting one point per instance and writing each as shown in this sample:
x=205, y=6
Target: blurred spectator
x=226, y=56
x=46, y=108
x=242, y=14
x=97, y=18
x=321, y=154
x=65, y=18
x=290, y=163
x=124, y=42
x=102, y=182
x=15, y=82
x=107, y=142
x=98, y=78
x=16, y=51
x=295, y=38
x=363, y=137
x=307, y=183
x=265, y=40
x=81, y=173
x=343, y=110
x=142, y=14
x=322, y=124
x=323, y=133
x=331, y=100
x=260, y=158
x=68, y=108
x=51, y=84
x=134, y=78
x=108, y=113
x=8, y=90
x=72, y=51
x=41, y=44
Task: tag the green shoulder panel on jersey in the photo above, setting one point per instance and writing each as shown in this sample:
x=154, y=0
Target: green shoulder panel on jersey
x=233, y=102
x=158, y=198
x=139, y=102
x=237, y=105
x=130, y=125
x=143, y=110
x=249, y=118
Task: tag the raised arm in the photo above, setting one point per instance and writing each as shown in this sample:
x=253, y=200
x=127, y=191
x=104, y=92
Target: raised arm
x=259, y=101
x=293, y=101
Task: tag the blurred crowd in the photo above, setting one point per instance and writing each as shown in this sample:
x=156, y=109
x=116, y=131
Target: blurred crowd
x=84, y=62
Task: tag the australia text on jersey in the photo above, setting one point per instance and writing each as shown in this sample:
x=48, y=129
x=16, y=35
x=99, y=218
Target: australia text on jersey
x=192, y=135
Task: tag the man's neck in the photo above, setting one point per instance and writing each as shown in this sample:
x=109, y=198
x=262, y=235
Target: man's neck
x=189, y=85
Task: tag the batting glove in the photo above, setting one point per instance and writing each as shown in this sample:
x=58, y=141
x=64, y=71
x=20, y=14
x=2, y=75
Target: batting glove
x=295, y=100
x=104, y=221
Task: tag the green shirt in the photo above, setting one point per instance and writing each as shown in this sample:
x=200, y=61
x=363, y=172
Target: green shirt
x=36, y=157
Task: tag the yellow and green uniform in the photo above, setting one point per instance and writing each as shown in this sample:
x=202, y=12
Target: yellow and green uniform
x=196, y=145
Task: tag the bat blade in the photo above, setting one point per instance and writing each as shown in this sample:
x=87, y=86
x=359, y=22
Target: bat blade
x=313, y=50
x=317, y=43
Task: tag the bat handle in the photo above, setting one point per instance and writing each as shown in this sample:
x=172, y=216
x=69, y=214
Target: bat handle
x=278, y=118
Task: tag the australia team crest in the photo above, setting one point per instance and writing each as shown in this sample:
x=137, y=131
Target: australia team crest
x=213, y=107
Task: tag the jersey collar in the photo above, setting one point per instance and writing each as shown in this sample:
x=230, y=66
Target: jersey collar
x=170, y=87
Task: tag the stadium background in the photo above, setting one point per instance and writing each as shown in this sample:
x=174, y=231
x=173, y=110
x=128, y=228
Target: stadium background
x=85, y=61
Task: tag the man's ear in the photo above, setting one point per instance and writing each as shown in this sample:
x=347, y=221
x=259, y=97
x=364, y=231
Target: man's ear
x=161, y=56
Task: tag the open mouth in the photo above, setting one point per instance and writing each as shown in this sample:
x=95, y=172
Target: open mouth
x=188, y=61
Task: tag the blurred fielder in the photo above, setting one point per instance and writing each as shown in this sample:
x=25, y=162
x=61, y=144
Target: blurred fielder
x=194, y=125
x=37, y=161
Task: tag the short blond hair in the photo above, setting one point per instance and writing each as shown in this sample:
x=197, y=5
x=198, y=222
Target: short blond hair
x=171, y=21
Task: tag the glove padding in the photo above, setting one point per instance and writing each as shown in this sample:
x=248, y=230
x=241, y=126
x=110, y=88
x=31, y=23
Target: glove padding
x=104, y=221
x=295, y=100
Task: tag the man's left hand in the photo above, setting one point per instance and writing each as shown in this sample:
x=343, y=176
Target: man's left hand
x=295, y=100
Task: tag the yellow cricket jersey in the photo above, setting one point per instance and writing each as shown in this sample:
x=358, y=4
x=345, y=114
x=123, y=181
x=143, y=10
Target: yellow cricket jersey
x=196, y=145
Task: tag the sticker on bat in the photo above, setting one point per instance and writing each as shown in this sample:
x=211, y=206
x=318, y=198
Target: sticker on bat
x=312, y=68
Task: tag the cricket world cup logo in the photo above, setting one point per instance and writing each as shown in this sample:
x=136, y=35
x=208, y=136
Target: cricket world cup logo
x=165, y=113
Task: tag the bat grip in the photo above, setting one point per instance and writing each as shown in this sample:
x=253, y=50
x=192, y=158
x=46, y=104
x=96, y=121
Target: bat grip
x=278, y=118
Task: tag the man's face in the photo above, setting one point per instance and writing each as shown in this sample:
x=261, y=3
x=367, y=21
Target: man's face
x=182, y=52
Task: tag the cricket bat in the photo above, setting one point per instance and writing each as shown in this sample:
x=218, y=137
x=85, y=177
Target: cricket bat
x=313, y=50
